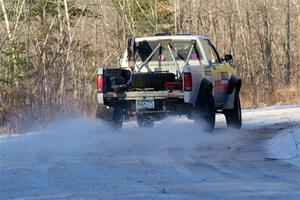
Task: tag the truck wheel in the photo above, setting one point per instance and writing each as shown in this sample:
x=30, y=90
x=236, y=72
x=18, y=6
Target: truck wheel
x=209, y=114
x=206, y=113
x=234, y=116
x=145, y=121
x=113, y=115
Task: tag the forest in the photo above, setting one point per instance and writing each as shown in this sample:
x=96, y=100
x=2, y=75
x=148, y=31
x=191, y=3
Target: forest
x=50, y=49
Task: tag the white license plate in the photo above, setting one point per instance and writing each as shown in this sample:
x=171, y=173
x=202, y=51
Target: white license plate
x=145, y=104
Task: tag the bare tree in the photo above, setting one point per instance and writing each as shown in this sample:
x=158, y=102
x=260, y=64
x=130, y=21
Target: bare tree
x=287, y=77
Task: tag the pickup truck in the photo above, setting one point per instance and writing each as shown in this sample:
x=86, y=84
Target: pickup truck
x=165, y=75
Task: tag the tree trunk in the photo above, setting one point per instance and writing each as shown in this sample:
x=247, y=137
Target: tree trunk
x=288, y=45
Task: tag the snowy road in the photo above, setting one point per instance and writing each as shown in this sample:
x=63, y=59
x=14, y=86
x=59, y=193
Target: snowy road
x=83, y=159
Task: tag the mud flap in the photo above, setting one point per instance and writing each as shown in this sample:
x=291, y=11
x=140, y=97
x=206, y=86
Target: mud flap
x=234, y=86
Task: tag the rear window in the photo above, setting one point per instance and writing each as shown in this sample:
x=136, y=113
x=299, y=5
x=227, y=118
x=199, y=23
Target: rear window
x=179, y=48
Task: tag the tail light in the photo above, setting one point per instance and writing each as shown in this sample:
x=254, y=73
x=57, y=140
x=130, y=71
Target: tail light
x=99, y=82
x=187, y=81
x=173, y=85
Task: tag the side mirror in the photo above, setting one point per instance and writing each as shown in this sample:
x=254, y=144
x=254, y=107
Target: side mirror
x=228, y=58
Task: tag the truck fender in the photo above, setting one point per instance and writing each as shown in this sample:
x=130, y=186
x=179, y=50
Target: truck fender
x=205, y=86
x=235, y=83
x=234, y=86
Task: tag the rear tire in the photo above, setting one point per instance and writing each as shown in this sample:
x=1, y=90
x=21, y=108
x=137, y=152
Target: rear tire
x=234, y=116
x=145, y=121
x=206, y=113
x=113, y=115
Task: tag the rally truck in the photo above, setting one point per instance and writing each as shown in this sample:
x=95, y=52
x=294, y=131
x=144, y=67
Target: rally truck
x=166, y=75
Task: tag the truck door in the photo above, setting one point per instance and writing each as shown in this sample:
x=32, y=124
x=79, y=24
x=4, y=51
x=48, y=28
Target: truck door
x=219, y=72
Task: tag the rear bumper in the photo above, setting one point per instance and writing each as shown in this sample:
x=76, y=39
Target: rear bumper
x=165, y=101
x=112, y=96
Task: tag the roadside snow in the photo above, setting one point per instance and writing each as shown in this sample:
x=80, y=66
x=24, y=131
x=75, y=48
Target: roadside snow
x=286, y=147
x=253, y=118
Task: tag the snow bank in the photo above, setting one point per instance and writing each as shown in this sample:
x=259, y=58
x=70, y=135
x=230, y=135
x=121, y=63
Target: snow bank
x=286, y=147
x=253, y=118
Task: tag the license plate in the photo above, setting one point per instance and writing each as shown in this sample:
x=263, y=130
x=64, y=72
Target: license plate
x=145, y=104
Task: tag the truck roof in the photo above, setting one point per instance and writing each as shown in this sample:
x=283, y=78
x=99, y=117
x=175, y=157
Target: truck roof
x=171, y=37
